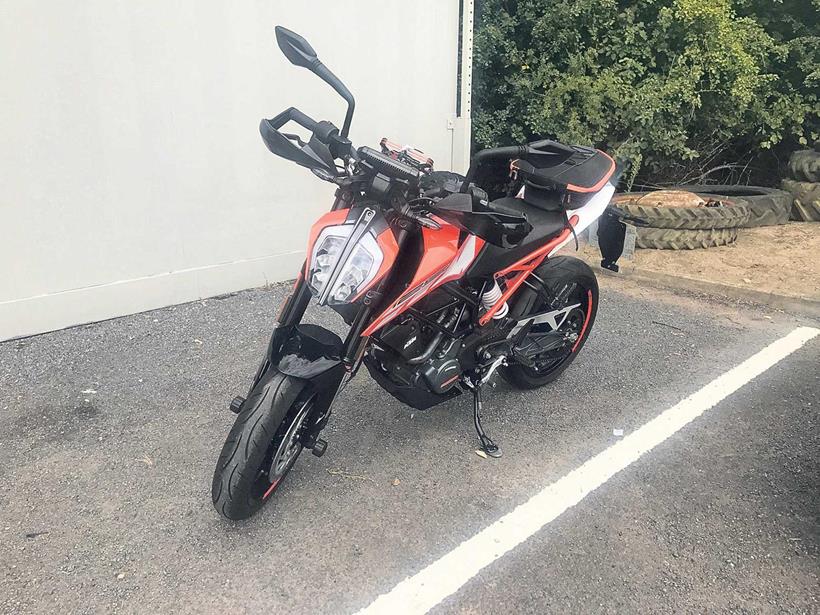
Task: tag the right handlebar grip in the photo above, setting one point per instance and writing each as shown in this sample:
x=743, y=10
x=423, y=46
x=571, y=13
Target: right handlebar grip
x=387, y=165
x=297, y=116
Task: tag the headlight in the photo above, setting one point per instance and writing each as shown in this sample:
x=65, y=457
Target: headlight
x=348, y=269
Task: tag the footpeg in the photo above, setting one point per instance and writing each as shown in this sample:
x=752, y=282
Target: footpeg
x=319, y=447
x=236, y=404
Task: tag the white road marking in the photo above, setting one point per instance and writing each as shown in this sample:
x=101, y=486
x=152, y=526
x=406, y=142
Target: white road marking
x=445, y=576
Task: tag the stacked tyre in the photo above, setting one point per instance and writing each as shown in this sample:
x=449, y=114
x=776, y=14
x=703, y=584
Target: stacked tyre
x=712, y=218
x=804, y=185
x=680, y=220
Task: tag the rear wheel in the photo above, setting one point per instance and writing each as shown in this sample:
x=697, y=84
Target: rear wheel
x=570, y=283
x=262, y=446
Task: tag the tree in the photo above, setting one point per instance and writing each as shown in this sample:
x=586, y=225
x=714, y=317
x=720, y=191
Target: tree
x=677, y=87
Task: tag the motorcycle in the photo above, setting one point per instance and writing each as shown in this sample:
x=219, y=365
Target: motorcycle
x=442, y=280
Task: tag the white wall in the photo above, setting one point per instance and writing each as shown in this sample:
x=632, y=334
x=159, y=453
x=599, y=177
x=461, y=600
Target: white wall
x=132, y=174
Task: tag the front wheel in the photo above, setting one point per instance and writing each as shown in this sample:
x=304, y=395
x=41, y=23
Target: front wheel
x=262, y=446
x=571, y=286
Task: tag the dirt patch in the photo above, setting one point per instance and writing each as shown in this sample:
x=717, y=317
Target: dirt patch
x=783, y=259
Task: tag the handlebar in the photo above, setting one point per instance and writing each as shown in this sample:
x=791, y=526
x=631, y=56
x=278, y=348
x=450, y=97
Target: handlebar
x=318, y=154
x=325, y=144
x=512, y=151
x=544, y=148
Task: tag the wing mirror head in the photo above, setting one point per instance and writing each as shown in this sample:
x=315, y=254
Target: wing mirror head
x=296, y=48
x=300, y=53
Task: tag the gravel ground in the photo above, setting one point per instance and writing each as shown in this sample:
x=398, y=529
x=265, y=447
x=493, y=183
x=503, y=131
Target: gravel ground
x=772, y=259
x=109, y=433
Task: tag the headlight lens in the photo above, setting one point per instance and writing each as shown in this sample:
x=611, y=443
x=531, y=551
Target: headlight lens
x=358, y=270
x=324, y=257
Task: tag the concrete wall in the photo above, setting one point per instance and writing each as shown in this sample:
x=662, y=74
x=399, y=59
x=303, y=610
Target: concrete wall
x=132, y=174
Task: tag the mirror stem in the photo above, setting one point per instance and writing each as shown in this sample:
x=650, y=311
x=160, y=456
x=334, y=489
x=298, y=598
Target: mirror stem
x=324, y=73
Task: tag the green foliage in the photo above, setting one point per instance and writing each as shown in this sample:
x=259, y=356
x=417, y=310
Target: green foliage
x=675, y=86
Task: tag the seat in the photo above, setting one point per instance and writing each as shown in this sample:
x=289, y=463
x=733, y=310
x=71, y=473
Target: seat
x=544, y=223
x=545, y=226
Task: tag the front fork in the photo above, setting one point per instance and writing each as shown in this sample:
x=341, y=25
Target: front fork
x=295, y=305
x=293, y=310
x=316, y=355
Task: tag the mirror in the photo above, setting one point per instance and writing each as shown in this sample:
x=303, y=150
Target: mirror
x=296, y=48
x=300, y=53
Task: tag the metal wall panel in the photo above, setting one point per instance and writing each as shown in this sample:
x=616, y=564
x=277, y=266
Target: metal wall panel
x=132, y=175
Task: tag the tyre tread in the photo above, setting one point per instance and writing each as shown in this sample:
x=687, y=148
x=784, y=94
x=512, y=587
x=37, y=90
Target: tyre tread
x=261, y=415
x=677, y=239
x=767, y=206
x=693, y=218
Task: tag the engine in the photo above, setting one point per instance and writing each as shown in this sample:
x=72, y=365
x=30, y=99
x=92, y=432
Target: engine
x=417, y=362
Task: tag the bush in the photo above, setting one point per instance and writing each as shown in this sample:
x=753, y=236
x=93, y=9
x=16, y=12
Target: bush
x=679, y=88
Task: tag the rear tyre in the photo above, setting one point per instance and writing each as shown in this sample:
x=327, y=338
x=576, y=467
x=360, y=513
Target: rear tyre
x=560, y=273
x=262, y=446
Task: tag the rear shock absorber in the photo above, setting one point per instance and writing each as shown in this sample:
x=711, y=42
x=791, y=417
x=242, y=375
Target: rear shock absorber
x=490, y=298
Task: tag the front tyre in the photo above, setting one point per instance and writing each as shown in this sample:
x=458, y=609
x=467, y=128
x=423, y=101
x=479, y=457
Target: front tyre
x=569, y=282
x=262, y=446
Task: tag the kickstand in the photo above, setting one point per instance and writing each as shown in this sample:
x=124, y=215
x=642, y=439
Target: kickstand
x=487, y=444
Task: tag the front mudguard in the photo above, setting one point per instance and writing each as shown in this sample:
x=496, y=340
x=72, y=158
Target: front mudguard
x=312, y=354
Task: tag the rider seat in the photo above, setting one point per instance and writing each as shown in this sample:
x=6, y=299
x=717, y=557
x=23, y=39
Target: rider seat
x=545, y=226
x=545, y=223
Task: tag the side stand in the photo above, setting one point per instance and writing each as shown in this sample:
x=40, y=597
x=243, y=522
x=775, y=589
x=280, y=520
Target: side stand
x=487, y=444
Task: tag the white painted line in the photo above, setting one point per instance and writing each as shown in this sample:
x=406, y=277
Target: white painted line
x=428, y=587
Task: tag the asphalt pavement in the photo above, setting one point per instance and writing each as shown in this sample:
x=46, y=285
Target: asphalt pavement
x=109, y=434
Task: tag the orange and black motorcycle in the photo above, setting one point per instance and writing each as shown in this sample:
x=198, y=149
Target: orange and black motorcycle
x=442, y=280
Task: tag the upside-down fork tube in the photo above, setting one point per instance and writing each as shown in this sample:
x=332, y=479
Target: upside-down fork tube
x=355, y=344
x=295, y=304
x=289, y=316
